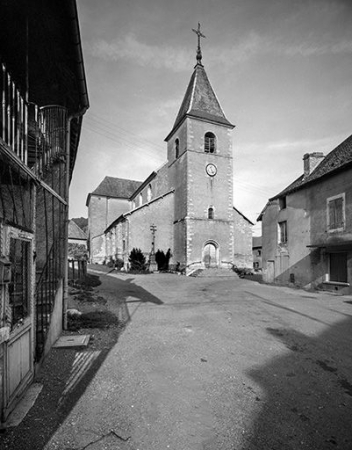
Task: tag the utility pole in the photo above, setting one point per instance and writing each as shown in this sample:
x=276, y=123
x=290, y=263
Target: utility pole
x=153, y=230
x=152, y=263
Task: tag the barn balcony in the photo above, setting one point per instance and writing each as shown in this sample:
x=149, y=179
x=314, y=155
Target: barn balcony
x=36, y=135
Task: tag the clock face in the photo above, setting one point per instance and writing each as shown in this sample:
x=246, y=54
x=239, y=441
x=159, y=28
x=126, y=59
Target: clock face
x=211, y=170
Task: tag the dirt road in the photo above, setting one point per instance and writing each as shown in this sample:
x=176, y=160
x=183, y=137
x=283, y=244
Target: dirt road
x=217, y=363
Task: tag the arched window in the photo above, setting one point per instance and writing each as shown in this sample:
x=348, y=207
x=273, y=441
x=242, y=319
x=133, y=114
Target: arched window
x=149, y=193
x=211, y=213
x=140, y=199
x=177, y=148
x=209, y=142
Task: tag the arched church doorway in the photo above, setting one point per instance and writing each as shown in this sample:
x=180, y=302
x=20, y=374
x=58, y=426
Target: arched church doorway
x=210, y=255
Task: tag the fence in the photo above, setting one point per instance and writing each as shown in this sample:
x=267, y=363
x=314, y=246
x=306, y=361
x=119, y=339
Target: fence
x=77, y=269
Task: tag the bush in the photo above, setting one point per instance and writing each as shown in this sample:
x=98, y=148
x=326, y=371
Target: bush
x=163, y=259
x=137, y=260
x=111, y=262
x=77, y=251
x=119, y=263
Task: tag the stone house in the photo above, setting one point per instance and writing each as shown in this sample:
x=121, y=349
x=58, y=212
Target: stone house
x=109, y=200
x=187, y=205
x=76, y=235
x=43, y=97
x=257, y=252
x=307, y=228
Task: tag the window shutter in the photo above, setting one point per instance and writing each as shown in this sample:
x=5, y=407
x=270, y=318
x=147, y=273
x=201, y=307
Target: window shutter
x=338, y=212
x=332, y=214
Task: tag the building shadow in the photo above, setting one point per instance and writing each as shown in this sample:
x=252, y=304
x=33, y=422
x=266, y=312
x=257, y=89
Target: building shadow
x=58, y=372
x=305, y=395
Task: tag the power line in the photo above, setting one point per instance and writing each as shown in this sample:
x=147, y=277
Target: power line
x=121, y=141
x=114, y=127
x=109, y=130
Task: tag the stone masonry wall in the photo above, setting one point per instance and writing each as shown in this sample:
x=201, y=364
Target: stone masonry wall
x=204, y=191
x=134, y=231
x=101, y=212
x=243, y=254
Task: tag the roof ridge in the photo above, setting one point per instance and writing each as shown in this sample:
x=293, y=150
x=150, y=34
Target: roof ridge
x=200, y=101
x=338, y=158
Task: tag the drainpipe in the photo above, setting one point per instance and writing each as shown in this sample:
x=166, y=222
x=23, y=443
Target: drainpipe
x=84, y=105
x=67, y=189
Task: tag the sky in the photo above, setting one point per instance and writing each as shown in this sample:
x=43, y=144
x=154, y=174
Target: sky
x=281, y=69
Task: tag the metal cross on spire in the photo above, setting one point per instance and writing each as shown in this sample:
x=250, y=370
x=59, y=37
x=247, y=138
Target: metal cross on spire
x=199, y=52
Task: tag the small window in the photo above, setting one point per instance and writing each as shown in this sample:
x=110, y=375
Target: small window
x=140, y=199
x=338, y=267
x=209, y=142
x=259, y=253
x=149, y=193
x=282, y=202
x=283, y=232
x=336, y=212
x=211, y=213
x=19, y=286
x=177, y=148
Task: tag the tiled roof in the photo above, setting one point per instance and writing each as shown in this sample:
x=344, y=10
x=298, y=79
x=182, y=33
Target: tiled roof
x=116, y=187
x=75, y=232
x=200, y=101
x=336, y=160
x=241, y=214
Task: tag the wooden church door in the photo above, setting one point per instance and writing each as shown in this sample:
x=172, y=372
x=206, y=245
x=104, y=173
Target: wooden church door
x=209, y=256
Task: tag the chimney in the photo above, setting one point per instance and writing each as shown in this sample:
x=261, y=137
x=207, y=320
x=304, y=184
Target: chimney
x=310, y=162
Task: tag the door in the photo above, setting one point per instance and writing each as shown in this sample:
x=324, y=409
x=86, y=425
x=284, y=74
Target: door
x=209, y=256
x=19, y=354
x=338, y=267
x=270, y=274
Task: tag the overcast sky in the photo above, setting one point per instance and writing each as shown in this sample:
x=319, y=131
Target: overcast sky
x=281, y=69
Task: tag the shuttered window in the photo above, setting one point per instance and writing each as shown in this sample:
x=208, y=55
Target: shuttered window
x=336, y=213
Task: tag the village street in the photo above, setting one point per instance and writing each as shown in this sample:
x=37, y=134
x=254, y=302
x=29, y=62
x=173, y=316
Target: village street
x=216, y=363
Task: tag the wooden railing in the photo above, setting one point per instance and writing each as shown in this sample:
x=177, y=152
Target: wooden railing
x=13, y=115
x=36, y=135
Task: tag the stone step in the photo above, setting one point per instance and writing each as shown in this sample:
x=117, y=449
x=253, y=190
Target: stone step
x=216, y=272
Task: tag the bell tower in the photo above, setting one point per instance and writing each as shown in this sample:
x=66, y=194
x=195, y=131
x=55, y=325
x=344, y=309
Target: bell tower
x=200, y=170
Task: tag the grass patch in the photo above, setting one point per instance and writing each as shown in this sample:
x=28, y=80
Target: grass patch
x=88, y=282
x=93, y=319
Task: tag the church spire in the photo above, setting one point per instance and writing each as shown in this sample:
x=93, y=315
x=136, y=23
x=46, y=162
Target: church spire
x=200, y=101
x=199, y=51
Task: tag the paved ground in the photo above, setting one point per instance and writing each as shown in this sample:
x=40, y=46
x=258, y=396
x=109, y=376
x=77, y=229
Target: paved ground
x=202, y=363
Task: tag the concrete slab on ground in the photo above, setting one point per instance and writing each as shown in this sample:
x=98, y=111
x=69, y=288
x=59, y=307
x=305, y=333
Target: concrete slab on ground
x=72, y=341
x=21, y=410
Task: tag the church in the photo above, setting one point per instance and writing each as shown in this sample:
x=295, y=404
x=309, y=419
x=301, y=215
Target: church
x=187, y=204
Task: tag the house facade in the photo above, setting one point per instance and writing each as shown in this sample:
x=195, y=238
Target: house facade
x=187, y=205
x=307, y=228
x=257, y=252
x=43, y=97
x=109, y=200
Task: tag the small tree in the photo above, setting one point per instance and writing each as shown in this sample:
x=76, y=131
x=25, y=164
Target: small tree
x=137, y=260
x=162, y=260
